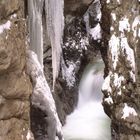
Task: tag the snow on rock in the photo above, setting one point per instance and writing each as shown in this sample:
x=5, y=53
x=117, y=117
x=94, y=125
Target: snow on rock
x=113, y=15
x=127, y=110
x=98, y=9
x=68, y=72
x=135, y=29
x=109, y=100
x=42, y=97
x=29, y=135
x=82, y=42
x=118, y=80
x=120, y=92
x=106, y=84
x=114, y=49
x=96, y=32
x=13, y=16
x=124, y=25
x=129, y=55
x=119, y=1
x=108, y=1
x=5, y=26
x=111, y=28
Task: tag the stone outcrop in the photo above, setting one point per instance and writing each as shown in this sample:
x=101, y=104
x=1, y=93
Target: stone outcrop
x=15, y=86
x=120, y=23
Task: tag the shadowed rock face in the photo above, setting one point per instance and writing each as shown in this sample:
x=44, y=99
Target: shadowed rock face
x=76, y=7
x=15, y=86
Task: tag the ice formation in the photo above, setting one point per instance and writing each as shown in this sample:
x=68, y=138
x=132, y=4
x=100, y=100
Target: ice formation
x=55, y=24
x=55, y=20
x=35, y=8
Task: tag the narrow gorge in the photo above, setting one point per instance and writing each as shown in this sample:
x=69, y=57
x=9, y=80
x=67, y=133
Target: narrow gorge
x=69, y=70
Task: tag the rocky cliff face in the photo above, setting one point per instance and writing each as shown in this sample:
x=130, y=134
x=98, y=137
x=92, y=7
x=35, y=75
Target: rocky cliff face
x=121, y=88
x=15, y=86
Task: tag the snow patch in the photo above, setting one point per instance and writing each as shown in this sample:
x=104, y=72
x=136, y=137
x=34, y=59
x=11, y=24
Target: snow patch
x=111, y=28
x=106, y=84
x=96, y=32
x=119, y=1
x=118, y=80
x=139, y=33
x=124, y=25
x=68, y=73
x=120, y=92
x=13, y=16
x=127, y=110
x=98, y=9
x=5, y=26
x=108, y=1
x=129, y=55
x=81, y=44
x=28, y=137
x=114, y=48
x=84, y=42
x=135, y=24
x=109, y=100
x=113, y=15
x=42, y=97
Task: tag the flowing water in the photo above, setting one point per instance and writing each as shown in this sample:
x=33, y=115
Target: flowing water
x=88, y=121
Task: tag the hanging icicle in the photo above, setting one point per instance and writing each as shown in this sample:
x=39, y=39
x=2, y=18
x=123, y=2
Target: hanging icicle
x=35, y=8
x=55, y=26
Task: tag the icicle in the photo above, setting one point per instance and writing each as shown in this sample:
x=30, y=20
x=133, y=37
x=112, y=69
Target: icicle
x=55, y=25
x=42, y=97
x=35, y=8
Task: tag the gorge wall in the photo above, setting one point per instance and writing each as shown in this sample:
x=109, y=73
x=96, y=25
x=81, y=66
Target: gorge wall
x=121, y=89
x=15, y=85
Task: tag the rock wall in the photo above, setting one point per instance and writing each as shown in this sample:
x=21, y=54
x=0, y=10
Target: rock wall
x=120, y=23
x=15, y=86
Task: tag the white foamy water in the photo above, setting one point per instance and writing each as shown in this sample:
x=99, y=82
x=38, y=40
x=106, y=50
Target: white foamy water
x=88, y=121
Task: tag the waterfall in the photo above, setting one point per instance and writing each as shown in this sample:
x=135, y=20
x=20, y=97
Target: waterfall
x=88, y=121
